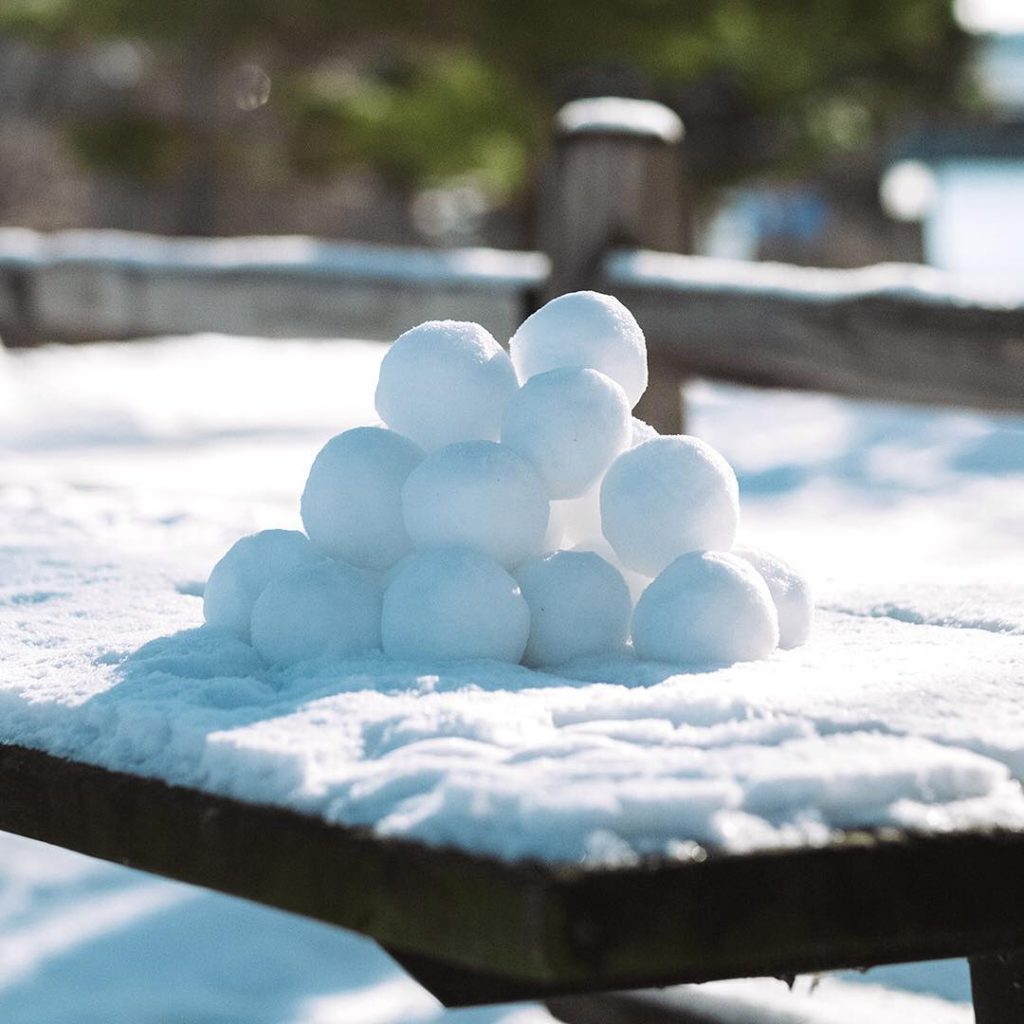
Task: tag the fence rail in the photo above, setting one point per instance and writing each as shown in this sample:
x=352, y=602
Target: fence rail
x=88, y=285
x=613, y=207
x=898, y=332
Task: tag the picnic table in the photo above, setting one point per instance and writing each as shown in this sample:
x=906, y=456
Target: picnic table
x=475, y=930
x=85, y=761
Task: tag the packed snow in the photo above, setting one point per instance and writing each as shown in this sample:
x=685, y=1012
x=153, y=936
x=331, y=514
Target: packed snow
x=475, y=506
x=666, y=497
x=311, y=610
x=570, y=423
x=579, y=606
x=585, y=329
x=445, y=381
x=478, y=495
x=351, y=505
x=450, y=603
x=707, y=607
x=121, y=488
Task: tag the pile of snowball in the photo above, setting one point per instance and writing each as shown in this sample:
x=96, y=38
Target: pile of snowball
x=511, y=507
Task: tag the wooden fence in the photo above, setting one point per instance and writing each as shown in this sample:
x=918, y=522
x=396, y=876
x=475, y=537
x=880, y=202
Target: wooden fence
x=614, y=217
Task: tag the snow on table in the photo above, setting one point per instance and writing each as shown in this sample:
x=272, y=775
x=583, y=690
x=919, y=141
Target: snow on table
x=126, y=470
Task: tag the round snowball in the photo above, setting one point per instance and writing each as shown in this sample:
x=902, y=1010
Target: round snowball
x=665, y=497
x=352, y=503
x=478, y=495
x=790, y=591
x=706, y=608
x=316, y=609
x=584, y=329
x=636, y=583
x=452, y=603
x=445, y=381
x=579, y=606
x=240, y=576
x=569, y=424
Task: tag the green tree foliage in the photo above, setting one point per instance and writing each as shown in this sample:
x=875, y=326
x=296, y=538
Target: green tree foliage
x=433, y=89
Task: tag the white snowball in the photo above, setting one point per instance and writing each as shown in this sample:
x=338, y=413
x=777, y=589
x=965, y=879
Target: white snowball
x=636, y=582
x=707, y=607
x=316, y=609
x=352, y=503
x=665, y=497
x=240, y=576
x=453, y=603
x=569, y=424
x=584, y=329
x=640, y=432
x=579, y=606
x=445, y=381
x=478, y=495
x=790, y=591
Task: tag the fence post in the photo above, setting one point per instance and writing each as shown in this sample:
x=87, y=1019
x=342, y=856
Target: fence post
x=615, y=181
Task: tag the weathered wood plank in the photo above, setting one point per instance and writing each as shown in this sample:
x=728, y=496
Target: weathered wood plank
x=90, y=285
x=479, y=930
x=633, y=1008
x=894, y=332
x=997, y=987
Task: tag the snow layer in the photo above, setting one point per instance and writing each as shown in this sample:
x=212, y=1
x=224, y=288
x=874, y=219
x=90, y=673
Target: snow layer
x=120, y=487
x=22, y=247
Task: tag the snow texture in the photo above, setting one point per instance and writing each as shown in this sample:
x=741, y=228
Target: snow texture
x=706, y=608
x=790, y=591
x=22, y=247
x=569, y=424
x=352, y=503
x=641, y=268
x=479, y=495
x=445, y=381
x=315, y=609
x=450, y=603
x=244, y=572
x=668, y=496
x=124, y=476
x=580, y=606
x=585, y=329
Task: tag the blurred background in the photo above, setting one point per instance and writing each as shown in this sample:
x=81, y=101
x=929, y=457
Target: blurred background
x=833, y=133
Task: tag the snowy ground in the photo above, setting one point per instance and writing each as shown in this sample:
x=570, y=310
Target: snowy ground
x=126, y=470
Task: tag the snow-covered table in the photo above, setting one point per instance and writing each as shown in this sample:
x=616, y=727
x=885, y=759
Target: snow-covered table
x=512, y=833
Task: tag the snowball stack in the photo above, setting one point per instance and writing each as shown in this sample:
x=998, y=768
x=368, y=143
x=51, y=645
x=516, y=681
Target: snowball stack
x=512, y=508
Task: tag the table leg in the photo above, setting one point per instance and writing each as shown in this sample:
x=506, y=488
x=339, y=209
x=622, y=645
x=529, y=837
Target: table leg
x=997, y=984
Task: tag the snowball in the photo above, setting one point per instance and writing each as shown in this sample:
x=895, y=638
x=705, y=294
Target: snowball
x=665, y=497
x=569, y=424
x=579, y=605
x=315, y=609
x=445, y=381
x=584, y=329
x=478, y=495
x=636, y=582
x=640, y=432
x=790, y=591
x=454, y=603
x=240, y=576
x=352, y=503
x=707, y=607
